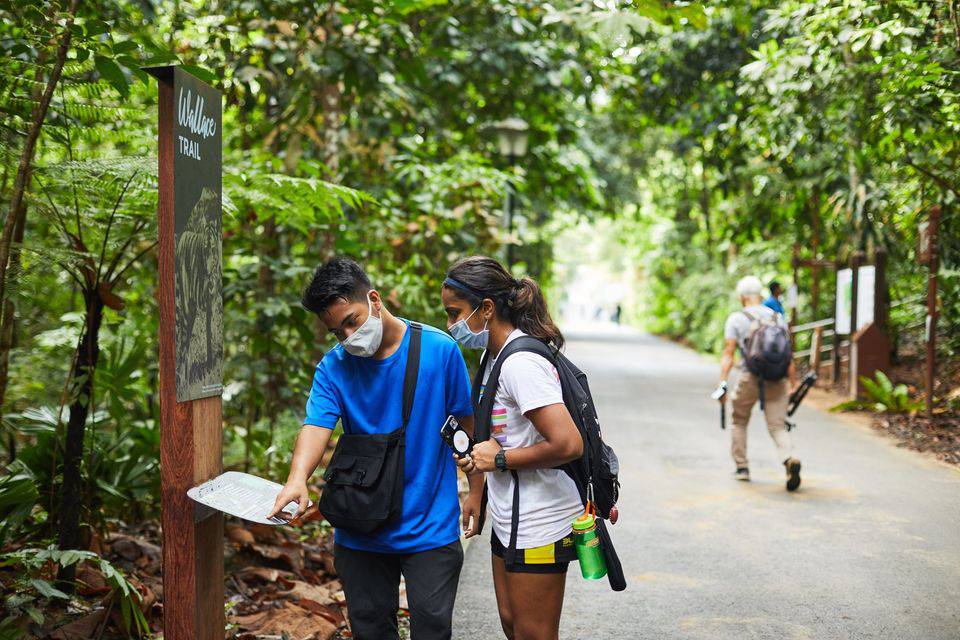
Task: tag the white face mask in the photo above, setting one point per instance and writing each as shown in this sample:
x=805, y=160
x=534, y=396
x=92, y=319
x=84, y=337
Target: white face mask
x=463, y=334
x=365, y=341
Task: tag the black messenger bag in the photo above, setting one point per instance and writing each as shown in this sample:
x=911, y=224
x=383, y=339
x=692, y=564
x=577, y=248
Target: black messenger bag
x=364, y=480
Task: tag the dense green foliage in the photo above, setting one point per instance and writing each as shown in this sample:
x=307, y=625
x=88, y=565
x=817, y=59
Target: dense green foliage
x=713, y=139
x=823, y=124
x=359, y=128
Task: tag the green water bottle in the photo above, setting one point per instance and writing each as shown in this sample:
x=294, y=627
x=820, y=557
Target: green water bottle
x=592, y=564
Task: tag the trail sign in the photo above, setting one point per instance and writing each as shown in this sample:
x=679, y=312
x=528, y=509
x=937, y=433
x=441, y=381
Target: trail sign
x=191, y=350
x=197, y=154
x=866, y=277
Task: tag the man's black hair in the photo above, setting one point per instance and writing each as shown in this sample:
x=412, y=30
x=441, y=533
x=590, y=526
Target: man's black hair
x=338, y=278
x=774, y=286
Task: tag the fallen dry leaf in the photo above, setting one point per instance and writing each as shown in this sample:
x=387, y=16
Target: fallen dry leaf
x=264, y=574
x=264, y=532
x=324, y=593
x=329, y=611
x=322, y=558
x=403, y=594
x=291, y=555
x=91, y=580
x=239, y=534
x=298, y=623
x=134, y=549
x=82, y=628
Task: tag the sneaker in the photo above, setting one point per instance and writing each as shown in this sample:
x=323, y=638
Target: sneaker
x=793, y=473
x=742, y=474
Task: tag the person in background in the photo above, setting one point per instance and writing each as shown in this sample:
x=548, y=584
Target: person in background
x=774, y=300
x=360, y=384
x=746, y=392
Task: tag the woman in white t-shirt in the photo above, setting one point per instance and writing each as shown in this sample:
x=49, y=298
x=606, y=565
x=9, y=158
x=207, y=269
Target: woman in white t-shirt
x=532, y=433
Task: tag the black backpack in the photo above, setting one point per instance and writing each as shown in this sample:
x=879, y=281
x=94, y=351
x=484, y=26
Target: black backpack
x=767, y=351
x=595, y=473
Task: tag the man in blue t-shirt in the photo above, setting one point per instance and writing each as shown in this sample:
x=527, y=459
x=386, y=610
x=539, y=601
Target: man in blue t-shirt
x=360, y=383
x=773, y=302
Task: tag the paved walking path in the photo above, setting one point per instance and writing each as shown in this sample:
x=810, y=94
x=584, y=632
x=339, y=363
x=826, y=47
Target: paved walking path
x=868, y=548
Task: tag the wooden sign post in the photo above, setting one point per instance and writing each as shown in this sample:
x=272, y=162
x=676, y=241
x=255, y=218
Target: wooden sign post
x=191, y=351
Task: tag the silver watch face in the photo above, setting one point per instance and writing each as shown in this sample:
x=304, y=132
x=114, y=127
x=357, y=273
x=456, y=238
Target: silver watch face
x=461, y=441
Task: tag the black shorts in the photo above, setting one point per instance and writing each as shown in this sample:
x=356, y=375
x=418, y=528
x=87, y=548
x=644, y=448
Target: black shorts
x=550, y=558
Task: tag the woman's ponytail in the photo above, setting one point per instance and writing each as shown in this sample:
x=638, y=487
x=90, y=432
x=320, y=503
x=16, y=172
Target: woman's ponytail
x=527, y=310
x=519, y=301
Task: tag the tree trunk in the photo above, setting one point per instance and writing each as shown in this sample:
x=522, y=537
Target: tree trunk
x=815, y=247
x=705, y=204
x=37, y=118
x=330, y=94
x=8, y=316
x=267, y=286
x=88, y=352
x=7, y=323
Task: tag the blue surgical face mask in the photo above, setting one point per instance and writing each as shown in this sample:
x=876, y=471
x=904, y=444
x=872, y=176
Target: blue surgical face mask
x=463, y=334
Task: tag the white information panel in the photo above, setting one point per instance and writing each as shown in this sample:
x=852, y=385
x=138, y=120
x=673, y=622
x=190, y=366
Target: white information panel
x=793, y=297
x=242, y=495
x=865, y=290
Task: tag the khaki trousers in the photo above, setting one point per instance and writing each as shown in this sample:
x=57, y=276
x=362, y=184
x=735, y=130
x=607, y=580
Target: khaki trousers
x=745, y=395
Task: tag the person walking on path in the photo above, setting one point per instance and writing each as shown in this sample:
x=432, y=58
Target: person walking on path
x=362, y=382
x=773, y=301
x=532, y=434
x=753, y=329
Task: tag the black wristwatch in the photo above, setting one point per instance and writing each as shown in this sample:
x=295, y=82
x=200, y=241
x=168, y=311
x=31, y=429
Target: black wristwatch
x=500, y=460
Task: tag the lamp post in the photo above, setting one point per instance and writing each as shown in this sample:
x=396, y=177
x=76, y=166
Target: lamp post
x=512, y=135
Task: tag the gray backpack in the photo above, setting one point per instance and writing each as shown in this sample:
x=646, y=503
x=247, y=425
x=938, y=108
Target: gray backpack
x=767, y=351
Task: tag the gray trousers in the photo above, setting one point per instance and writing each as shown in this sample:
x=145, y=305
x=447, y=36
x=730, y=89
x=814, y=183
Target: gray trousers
x=371, y=584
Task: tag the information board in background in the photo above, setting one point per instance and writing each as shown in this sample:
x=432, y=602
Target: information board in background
x=793, y=297
x=866, y=286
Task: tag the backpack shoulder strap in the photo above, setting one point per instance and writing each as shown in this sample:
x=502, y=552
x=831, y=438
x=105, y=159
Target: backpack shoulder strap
x=484, y=404
x=412, y=372
x=477, y=387
x=517, y=345
x=510, y=557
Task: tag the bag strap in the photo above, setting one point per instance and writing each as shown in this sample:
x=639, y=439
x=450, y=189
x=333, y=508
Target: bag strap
x=484, y=405
x=752, y=328
x=484, y=413
x=478, y=381
x=412, y=372
x=483, y=408
x=409, y=378
x=510, y=558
